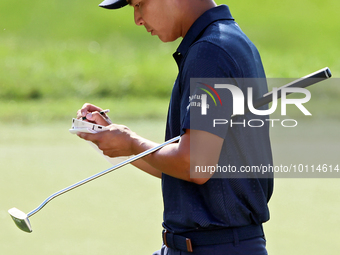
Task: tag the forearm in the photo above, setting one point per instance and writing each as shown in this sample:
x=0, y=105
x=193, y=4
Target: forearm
x=144, y=166
x=195, y=148
x=173, y=159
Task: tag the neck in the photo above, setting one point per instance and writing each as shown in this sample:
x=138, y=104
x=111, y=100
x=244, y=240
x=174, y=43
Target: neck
x=192, y=11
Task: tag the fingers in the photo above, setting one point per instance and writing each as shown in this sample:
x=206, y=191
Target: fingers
x=88, y=136
x=91, y=113
x=87, y=108
x=118, y=141
x=97, y=118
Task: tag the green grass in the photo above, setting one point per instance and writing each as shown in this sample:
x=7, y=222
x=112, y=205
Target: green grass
x=49, y=111
x=78, y=69
x=293, y=37
x=76, y=50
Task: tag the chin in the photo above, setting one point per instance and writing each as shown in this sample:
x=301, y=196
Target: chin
x=167, y=39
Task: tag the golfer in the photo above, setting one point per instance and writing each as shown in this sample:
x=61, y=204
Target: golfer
x=202, y=214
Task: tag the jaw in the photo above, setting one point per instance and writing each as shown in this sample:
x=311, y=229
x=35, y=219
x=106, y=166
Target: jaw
x=20, y=219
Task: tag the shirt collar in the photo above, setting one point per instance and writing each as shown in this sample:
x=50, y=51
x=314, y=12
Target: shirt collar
x=221, y=12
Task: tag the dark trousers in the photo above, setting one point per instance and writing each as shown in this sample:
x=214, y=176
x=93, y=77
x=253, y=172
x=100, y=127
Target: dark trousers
x=254, y=246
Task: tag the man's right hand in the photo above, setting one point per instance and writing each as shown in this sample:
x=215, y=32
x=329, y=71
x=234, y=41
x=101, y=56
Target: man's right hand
x=92, y=114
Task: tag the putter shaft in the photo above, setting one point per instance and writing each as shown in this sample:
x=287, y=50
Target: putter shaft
x=93, y=177
x=305, y=81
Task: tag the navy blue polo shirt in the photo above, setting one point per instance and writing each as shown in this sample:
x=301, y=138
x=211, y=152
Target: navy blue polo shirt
x=215, y=47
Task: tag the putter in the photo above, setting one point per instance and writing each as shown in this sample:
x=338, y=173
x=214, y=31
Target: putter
x=21, y=219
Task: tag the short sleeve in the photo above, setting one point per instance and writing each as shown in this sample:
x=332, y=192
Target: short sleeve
x=206, y=60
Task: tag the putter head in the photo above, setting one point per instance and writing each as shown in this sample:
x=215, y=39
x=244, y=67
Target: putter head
x=20, y=219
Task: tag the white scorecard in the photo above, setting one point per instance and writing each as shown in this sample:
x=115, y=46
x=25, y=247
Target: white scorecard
x=85, y=127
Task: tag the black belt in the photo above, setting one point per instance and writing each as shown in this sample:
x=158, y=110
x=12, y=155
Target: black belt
x=187, y=240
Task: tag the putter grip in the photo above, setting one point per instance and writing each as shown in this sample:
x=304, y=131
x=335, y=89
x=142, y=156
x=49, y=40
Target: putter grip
x=303, y=82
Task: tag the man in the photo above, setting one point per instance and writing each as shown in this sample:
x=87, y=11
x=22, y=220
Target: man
x=202, y=214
